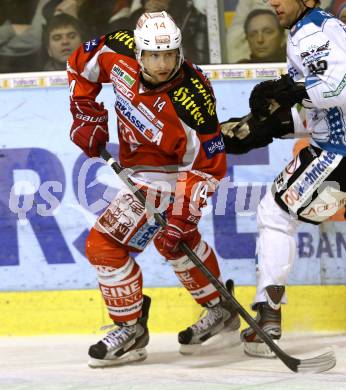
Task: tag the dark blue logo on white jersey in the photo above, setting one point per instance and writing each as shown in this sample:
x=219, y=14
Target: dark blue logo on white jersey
x=214, y=146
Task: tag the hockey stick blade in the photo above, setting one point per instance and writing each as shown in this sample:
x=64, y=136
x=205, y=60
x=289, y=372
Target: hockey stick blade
x=319, y=363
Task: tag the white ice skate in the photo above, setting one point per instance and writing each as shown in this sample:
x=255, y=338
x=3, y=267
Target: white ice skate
x=124, y=344
x=217, y=329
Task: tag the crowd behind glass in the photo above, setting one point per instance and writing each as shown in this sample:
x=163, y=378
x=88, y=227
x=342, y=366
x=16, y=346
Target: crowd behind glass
x=39, y=35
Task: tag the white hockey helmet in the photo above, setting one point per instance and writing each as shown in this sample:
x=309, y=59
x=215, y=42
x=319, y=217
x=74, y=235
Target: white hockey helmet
x=157, y=31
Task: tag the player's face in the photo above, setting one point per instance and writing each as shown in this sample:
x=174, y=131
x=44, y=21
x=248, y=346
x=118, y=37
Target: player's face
x=287, y=11
x=159, y=64
x=62, y=42
x=264, y=36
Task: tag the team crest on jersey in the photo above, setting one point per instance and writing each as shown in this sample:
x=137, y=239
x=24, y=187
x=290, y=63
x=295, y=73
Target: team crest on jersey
x=122, y=76
x=315, y=53
x=213, y=146
x=292, y=71
x=91, y=45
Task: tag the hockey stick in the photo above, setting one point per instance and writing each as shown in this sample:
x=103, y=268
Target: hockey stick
x=319, y=363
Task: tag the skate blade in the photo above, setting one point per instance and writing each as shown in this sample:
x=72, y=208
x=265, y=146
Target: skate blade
x=131, y=356
x=222, y=340
x=259, y=350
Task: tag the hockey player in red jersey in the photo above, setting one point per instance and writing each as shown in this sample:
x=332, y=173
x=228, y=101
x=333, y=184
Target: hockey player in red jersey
x=169, y=136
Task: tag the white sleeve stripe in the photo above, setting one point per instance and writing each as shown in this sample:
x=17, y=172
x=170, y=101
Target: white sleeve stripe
x=192, y=147
x=91, y=70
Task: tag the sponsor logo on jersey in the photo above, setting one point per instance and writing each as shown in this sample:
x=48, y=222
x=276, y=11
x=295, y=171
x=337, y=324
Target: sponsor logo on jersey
x=121, y=218
x=315, y=53
x=150, y=115
x=189, y=99
x=317, y=171
x=292, y=166
x=134, y=71
x=136, y=118
x=209, y=101
x=319, y=210
x=213, y=146
x=282, y=179
x=337, y=90
x=184, y=96
x=158, y=123
x=91, y=45
x=122, y=291
x=145, y=110
x=122, y=76
x=118, y=87
x=144, y=235
x=122, y=36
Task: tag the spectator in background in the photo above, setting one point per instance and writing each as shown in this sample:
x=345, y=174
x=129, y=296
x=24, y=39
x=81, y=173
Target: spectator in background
x=103, y=17
x=149, y=6
x=338, y=8
x=56, y=7
x=120, y=15
x=265, y=36
x=62, y=35
x=21, y=32
x=194, y=27
x=237, y=45
x=20, y=35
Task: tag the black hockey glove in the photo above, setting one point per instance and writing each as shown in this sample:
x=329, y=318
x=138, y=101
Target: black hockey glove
x=283, y=90
x=256, y=134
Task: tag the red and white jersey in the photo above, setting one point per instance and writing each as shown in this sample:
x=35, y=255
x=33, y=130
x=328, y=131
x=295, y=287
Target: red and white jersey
x=163, y=131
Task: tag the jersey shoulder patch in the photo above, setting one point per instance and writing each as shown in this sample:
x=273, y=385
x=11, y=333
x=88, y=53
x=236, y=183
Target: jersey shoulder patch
x=121, y=42
x=194, y=101
x=316, y=17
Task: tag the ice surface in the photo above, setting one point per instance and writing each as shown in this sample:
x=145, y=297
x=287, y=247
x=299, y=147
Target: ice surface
x=60, y=362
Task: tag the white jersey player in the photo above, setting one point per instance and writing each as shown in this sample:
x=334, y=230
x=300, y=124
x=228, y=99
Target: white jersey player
x=312, y=187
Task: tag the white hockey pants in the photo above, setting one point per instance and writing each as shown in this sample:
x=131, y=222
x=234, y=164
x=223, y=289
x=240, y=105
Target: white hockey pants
x=276, y=246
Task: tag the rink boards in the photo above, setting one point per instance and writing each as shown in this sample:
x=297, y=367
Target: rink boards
x=310, y=308
x=50, y=195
